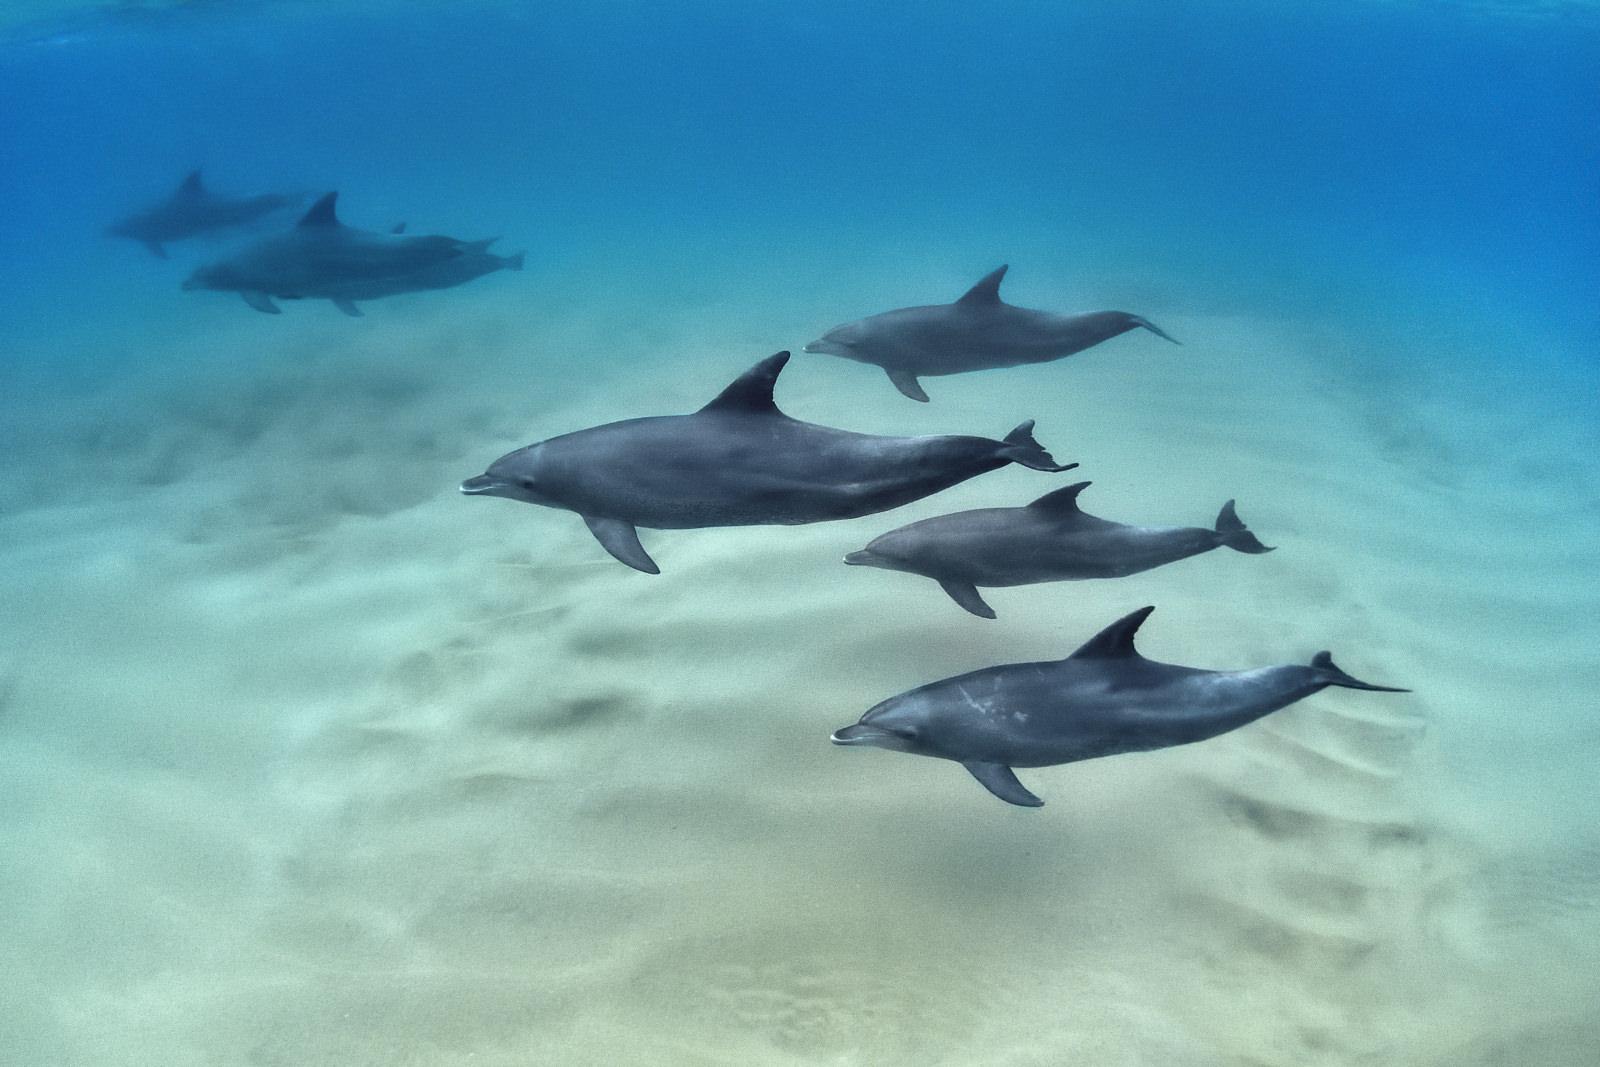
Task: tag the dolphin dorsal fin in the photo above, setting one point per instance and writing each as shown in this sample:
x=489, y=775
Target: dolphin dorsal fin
x=987, y=291
x=752, y=391
x=190, y=186
x=1116, y=640
x=321, y=213
x=1062, y=501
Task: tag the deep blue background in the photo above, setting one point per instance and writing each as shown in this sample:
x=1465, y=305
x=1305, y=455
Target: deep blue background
x=1340, y=154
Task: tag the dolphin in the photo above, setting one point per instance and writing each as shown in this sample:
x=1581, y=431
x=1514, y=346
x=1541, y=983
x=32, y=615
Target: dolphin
x=319, y=257
x=193, y=209
x=738, y=461
x=1103, y=699
x=474, y=261
x=977, y=332
x=1050, y=540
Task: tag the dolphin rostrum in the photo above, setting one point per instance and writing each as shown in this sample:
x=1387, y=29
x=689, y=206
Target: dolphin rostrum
x=977, y=332
x=193, y=209
x=1103, y=699
x=1050, y=540
x=738, y=461
x=321, y=258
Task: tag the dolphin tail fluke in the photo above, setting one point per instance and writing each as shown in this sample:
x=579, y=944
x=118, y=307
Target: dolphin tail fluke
x=1153, y=328
x=512, y=262
x=1235, y=534
x=1019, y=446
x=1323, y=664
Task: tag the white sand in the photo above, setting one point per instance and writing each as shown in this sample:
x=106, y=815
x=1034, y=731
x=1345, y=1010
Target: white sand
x=311, y=761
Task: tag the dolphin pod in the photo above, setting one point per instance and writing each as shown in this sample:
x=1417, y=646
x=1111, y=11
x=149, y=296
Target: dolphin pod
x=977, y=332
x=738, y=461
x=1102, y=700
x=1050, y=540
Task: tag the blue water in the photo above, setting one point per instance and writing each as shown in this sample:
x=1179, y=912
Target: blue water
x=1436, y=156
x=1407, y=192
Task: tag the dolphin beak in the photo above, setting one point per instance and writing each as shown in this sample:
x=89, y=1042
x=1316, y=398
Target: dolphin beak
x=481, y=485
x=858, y=734
x=862, y=558
x=823, y=346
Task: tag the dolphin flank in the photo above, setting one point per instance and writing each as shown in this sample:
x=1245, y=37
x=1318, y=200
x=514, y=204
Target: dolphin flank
x=738, y=461
x=1050, y=540
x=1102, y=700
x=977, y=332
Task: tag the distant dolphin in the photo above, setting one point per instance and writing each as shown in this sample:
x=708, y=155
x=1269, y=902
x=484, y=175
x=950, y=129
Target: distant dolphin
x=474, y=261
x=1102, y=700
x=319, y=258
x=738, y=461
x=1050, y=540
x=192, y=209
x=977, y=332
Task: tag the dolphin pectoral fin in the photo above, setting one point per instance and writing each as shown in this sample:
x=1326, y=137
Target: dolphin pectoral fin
x=1001, y=780
x=261, y=302
x=348, y=307
x=156, y=249
x=622, y=541
x=966, y=594
x=907, y=383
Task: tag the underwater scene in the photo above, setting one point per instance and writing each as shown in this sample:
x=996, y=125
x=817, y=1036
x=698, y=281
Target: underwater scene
x=807, y=533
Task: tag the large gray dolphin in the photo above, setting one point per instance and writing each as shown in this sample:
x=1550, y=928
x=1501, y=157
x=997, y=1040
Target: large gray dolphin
x=474, y=261
x=738, y=461
x=976, y=332
x=1050, y=540
x=193, y=209
x=319, y=257
x=1103, y=699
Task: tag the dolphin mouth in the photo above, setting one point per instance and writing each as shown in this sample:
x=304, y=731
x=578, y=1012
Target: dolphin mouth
x=858, y=734
x=863, y=558
x=481, y=485
x=824, y=347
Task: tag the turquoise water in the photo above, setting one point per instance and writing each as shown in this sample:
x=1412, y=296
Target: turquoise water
x=309, y=760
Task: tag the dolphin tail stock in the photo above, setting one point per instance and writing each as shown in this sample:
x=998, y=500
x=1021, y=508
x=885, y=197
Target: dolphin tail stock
x=1330, y=674
x=1019, y=446
x=1232, y=532
x=512, y=262
x=1138, y=320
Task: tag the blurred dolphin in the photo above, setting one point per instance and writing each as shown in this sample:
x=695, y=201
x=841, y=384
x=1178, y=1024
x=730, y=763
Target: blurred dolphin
x=193, y=209
x=321, y=258
x=474, y=261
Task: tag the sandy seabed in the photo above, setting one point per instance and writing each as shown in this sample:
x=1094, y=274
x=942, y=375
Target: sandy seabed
x=311, y=761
